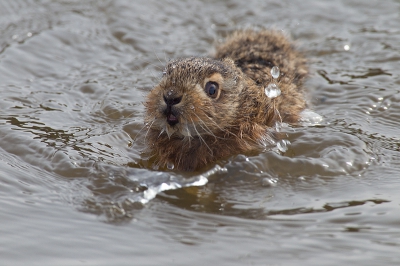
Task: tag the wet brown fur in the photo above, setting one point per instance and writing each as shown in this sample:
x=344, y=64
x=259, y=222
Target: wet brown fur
x=242, y=118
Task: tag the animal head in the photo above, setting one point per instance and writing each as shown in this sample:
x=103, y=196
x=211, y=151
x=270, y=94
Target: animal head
x=195, y=97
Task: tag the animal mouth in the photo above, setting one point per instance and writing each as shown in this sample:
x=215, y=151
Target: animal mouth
x=172, y=120
x=172, y=116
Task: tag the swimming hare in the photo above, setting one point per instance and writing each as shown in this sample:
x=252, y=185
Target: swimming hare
x=205, y=109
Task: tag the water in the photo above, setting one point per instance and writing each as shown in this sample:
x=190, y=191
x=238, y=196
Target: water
x=272, y=90
x=282, y=145
x=154, y=183
x=76, y=189
x=275, y=72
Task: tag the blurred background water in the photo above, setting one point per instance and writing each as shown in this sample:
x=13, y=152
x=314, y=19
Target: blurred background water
x=75, y=188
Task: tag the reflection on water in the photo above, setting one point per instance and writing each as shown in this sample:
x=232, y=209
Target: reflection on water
x=73, y=76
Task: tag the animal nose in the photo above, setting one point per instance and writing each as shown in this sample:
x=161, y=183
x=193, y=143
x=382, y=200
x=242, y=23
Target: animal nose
x=172, y=101
x=172, y=116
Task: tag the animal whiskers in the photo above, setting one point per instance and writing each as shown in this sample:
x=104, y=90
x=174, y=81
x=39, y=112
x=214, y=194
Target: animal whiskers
x=201, y=138
x=205, y=127
x=148, y=129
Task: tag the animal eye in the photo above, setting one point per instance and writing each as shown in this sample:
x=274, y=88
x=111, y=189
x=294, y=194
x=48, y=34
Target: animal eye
x=212, y=89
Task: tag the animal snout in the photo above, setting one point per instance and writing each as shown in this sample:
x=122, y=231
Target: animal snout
x=171, y=114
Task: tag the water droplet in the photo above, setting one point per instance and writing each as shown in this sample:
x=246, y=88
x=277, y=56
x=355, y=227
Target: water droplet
x=29, y=34
x=170, y=166
x=346, y=47
x=275, y=72
x=282, y=145
x=14, y=37
x=272, y=91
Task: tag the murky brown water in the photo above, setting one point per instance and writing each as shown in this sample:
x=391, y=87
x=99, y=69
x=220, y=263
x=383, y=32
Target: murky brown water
x=73, y=76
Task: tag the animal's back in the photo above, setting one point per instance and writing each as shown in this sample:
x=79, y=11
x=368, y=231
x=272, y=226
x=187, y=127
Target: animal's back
x=256, y=52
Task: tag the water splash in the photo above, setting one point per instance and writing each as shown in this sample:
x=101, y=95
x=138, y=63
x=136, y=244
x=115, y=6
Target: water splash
x=278, y=126
x=272, y=91
x=157, y=182
x=310, y=118
x=283, y=144
x=267, y=141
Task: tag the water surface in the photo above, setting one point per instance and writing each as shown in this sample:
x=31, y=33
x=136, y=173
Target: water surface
x=76, y=189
